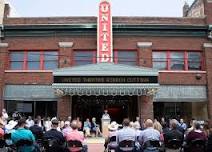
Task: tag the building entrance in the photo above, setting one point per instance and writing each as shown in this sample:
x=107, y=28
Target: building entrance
x=118, y=107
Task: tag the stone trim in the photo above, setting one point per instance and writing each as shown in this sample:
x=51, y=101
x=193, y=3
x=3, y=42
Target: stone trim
x=207, y=45
x=66, y=44
x=2, y=45
x=144, y=44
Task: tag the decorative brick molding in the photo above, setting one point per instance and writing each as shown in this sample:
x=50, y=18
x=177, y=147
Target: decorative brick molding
x=207, y=45
x=66, y=44
x=2, y=45
x=144, y=44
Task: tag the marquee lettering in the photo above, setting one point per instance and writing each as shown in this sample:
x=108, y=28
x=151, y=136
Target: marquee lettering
x=104, y=39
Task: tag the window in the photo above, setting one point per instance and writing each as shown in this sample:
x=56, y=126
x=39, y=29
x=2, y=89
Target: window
x=125, y=57
x=50, y=60
x=84, y=57
x=159, y=60
x=33, y=60
x=177, y=61
x=17, y=60
x=173, y=60
x=194, y=61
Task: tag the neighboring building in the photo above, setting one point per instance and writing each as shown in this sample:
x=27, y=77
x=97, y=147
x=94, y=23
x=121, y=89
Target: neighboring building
x=2, y=5
x=195, y=10
x=49, y=67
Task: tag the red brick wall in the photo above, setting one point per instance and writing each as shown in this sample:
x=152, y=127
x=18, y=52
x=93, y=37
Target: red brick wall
x=3, y=57
x=145, y=56
x=89, y=42
x=208, y=11
x=146, y=107
x=208, y=54
x=64, y=107
x=28, y=78
x=182, y=78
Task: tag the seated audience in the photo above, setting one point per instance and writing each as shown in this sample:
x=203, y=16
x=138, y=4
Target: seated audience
x=67, y=128
x=56, y=136
x=209, y=143
x=37, y=130
x=74, y=134
x=112, y=128
x=23, y=134
x=95, y=127
x=1, y=129
x=126, y=133
x=197, y=133
x=158, y=127
x=87, y=127
x=173, y=133
x=149, y=133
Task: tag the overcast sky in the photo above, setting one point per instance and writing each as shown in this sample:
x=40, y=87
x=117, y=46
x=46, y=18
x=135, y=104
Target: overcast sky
x=39, y=8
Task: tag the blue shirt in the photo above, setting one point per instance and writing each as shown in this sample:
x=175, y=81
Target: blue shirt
x=126, y=133
x=22, y=133
x=149, y=134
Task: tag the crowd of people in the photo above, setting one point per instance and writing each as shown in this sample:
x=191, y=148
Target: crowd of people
x=34, y=135
x=54, y=135
x=160, y=136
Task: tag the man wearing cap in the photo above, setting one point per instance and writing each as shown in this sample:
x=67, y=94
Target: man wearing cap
x=56, y=136
x=112, y=127
x=23, y=134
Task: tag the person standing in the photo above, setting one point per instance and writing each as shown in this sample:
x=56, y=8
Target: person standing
x=105, y=115
x=4, y=116
x=29, y=122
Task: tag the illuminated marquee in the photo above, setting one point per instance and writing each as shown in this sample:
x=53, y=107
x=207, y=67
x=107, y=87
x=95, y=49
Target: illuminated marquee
x=104, y=35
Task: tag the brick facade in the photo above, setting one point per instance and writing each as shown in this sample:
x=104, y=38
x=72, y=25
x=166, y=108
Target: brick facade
x=64, y=107
x=3, y=57
x=144, y=44
x=208, y=54
x=146, y=108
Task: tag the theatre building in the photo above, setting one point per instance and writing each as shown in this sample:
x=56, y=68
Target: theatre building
x=132, y=66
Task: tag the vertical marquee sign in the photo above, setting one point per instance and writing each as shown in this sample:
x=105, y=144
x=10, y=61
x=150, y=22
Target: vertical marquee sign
x=104, y=33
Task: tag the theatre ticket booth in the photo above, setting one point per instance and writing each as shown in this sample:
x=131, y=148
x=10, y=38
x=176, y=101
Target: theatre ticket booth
x=125, y=91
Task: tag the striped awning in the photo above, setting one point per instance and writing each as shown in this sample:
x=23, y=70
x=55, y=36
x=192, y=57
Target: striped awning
x=105, y=89
x=107, y=79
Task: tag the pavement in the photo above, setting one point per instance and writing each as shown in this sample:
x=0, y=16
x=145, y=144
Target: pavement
x=95, y=144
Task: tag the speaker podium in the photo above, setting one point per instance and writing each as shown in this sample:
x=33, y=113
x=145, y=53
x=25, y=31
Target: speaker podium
x=105, y=123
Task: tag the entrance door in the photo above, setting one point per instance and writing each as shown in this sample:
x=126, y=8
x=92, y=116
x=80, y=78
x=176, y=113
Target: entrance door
x=118, y=107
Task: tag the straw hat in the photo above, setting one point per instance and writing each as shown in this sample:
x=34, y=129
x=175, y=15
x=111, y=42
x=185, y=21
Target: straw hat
x=113, y=126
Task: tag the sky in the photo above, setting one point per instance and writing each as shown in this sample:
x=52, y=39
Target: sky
x=42, y=8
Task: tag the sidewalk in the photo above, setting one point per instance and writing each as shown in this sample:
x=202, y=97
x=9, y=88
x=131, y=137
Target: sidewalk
x=95, y=144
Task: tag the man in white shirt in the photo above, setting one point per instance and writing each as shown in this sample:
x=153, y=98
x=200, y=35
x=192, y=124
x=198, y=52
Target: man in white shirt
x=29, y=122
x=105, y=115
x=4, y=116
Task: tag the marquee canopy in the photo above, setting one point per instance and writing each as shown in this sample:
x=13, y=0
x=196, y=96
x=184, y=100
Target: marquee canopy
x=105, y=79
